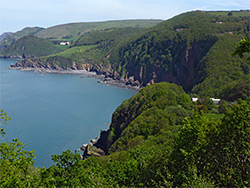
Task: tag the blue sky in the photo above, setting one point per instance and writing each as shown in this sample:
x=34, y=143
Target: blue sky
x=17, y=14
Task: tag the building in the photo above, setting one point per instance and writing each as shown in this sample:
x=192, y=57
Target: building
x=64, y=43
x=216, y=101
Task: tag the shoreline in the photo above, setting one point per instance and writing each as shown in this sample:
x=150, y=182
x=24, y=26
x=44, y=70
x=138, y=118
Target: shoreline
x=103, y=79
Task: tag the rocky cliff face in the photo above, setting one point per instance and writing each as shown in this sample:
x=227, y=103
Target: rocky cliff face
x=182, y=69
x=33, y=64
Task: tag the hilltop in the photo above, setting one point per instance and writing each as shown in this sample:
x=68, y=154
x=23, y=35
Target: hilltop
x=72, y=31
x=29, y=46
x=10, y=38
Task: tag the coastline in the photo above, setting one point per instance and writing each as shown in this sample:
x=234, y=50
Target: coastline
x=103, y=79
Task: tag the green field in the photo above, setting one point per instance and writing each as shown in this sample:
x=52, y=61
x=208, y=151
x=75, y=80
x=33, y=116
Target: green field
x=72, y=52
x=78, y=29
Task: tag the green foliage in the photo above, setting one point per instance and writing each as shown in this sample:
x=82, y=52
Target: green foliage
x=158, y=138
x=205, y=104
x=10, y=39
x=192, y=50
x=234, y=142
x=164, y=145
x=76, y=30
x=140, y=113
x=67, y=159
x=218, y=150
x=91, y=48
x=3, y=121
x=107, y=36
x=189, y=49
x=30, y=46
x=16, y=165
x=243, y=47
x=219, y=79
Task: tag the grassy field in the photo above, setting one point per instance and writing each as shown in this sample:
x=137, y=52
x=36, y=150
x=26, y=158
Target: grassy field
x=234, y=13
x=72, y=52
x=78, y=29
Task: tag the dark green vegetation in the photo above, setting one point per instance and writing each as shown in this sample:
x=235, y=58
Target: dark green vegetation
x=12, y=37
x=157, y=139
x=29, y=46
x=72, y=31
x=93, y=48
x=243, y=48
x=193, y=50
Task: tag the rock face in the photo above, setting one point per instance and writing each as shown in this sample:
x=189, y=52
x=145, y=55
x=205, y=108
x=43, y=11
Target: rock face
x=32, y=64
x=183, y=68
x=90, y=150
x=103, y=71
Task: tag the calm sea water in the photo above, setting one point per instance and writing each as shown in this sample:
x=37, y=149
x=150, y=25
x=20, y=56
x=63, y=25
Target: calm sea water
x=53, y=113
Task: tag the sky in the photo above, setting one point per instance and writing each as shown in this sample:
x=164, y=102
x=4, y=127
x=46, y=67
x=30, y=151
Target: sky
x=18, y=14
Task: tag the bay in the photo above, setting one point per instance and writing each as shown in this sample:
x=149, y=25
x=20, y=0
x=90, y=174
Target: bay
x=54, y=112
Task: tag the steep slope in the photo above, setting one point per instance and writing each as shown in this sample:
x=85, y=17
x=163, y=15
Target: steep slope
x=128, y=121
x=89, y=51
x=29, y=46
x=180, y=51
x=193, y=50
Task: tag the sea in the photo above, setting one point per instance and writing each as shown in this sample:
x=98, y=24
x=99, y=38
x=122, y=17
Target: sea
x=52, y=113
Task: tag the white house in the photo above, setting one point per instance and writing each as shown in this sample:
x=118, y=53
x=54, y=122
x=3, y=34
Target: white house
x=216, y=101
x=195, y=99
x=64, y=43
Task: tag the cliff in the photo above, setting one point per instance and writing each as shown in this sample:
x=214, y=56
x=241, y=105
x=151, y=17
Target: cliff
x=193, y=50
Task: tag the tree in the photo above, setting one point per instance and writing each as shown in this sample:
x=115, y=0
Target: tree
x=3, y=119
x=16, y=164
x=234, y=144
x=242, y=48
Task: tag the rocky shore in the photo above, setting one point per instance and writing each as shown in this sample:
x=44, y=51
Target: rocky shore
x=90, y=150
x=105, y=78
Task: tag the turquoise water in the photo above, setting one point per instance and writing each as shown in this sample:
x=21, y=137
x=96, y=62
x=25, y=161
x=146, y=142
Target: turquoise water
x=53, y=113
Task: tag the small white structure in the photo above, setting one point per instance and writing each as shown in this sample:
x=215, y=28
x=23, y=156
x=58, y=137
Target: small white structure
x=64, y=43
x=195, y=99
x=216, y=101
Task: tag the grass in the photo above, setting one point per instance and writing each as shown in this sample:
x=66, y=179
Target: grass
x=71, y=52
x=235, y=13
x=78, y=29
